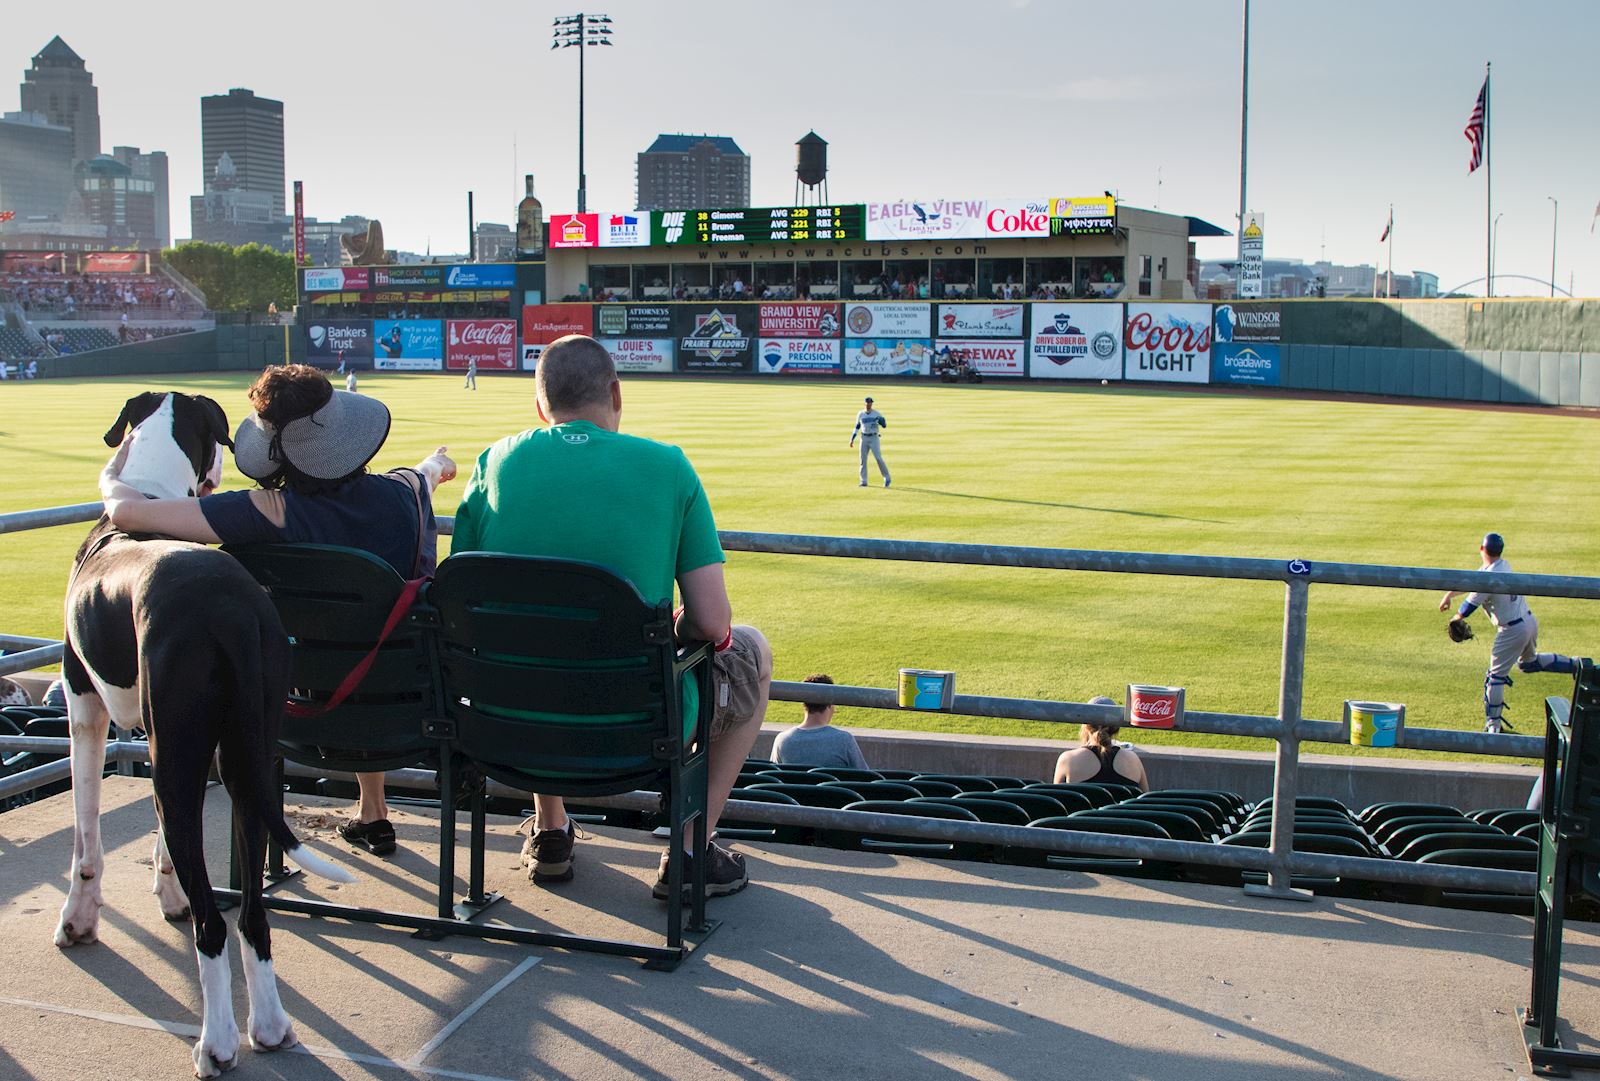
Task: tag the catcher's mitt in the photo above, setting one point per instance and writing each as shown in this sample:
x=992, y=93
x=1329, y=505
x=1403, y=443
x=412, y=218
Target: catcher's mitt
x=1459, y=629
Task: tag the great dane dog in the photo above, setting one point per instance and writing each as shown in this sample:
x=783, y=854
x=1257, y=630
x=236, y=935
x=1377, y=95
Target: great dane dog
x=178, y=639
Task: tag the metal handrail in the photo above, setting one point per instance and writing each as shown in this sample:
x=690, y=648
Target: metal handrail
x=1288, y=728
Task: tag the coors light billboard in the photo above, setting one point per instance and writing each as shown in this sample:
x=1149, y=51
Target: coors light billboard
x=491, y=342
x=1168, y=343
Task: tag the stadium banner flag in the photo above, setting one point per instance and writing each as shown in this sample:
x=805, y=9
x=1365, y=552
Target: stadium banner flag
x=1168, y=343
x=116, y=262
x=632, y=321
x=712, y=338
x=957, y=219
x=407, y=277
x=637, y=354
x=491, y=342
x=799, y=320
x=980, y=320
x=798, y=356
x=327, y=338
x=872, y=320
x=1247, y=323
x=478, y=276
x=989, y=356
x=1076, y=341
x=408, y=345
x=1257, y=363
x=887, y=356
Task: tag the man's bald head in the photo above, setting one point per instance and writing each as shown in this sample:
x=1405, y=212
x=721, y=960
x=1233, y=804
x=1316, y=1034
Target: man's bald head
x=575, y=373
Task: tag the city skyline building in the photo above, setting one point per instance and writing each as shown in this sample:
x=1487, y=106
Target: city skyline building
x=35, y=168
x=60, y=87
x=151, y=167
x=249, y=129
x=681, y=172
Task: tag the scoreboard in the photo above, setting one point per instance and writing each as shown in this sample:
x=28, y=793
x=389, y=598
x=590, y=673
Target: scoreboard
x=759, y=225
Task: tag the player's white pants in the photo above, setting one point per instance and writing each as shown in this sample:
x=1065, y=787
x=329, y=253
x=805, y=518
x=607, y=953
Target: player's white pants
x=870, y=442
x=1511, y=646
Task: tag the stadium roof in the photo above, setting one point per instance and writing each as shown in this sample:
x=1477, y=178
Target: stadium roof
x=58, y=50
x=1201, y=227
x=678, y=144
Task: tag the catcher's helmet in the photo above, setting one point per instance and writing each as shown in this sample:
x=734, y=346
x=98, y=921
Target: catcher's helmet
x=1494, y=543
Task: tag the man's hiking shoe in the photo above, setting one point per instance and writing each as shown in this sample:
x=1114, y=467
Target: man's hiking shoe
x=548, y=854
x=725, y=874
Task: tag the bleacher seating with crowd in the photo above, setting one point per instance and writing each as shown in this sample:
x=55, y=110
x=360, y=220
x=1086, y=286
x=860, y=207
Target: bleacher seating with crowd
x=15, y=345
x=48, y=293
x=70, y=339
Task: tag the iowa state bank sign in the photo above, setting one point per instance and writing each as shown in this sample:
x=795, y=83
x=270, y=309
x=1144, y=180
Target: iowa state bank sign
x=1168, y=343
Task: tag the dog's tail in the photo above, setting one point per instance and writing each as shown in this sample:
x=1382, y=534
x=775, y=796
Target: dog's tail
x=260, y=704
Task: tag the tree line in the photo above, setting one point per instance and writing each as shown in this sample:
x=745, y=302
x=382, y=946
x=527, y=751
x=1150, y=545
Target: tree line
x=242, y=279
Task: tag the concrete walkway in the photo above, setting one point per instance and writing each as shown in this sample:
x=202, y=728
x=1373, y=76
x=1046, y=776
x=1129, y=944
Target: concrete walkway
x=831, y=966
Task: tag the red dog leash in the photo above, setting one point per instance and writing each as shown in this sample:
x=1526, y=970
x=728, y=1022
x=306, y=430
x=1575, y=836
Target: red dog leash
x=351, y=681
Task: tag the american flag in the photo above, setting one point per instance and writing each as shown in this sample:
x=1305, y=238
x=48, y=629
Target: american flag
x=1387, y=228
x=1474, y=130
x=7, y=215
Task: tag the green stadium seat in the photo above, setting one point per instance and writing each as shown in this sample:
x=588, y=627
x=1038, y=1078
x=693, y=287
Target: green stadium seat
x=1477, y=842
x=1513, y=820
x=876, y=790
x=1387, y=828
x=1179, y=826
x=1097, y=795
x=736, y=830
x=906, y=846
x=987, y=810
x=926, y=787
x=791, y=776
x=841, y=773
x=812, y=795
x=964, y=782
x=1397, y=840
x=1380, y=813
x=1040, y=804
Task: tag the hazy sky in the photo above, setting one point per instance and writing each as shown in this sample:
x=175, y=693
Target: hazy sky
x=396, y=110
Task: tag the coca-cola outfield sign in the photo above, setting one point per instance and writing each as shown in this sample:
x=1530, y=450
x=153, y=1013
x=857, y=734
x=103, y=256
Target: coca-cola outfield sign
x=491, y=342
x=1153, y=707
x=1168, y=343
x=987, y=355
x=980, y=320
x=918, y=219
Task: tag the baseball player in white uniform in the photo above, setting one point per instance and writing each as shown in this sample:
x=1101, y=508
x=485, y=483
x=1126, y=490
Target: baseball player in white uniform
x=868, y=424
x=1516, y=636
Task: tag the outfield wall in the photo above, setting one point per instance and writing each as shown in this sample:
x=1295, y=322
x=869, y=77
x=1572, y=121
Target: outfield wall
x=228, y=348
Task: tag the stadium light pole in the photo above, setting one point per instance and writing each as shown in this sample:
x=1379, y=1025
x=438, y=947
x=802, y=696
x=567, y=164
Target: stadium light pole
x=1555, y=216
x=580, y=31
x=1244, y=139
x=1494, y=248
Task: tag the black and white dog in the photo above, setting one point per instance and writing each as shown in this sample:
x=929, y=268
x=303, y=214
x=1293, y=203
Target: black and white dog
x=178, y=639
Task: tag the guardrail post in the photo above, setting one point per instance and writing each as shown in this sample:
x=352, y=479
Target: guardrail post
x=1286, y=774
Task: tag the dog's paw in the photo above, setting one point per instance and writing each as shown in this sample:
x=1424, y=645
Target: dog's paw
x=271, y=1033
x=216, y=1052
x=80, y=921
x=174, y=905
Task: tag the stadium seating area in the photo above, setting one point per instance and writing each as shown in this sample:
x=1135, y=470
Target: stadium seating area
x=91, y=295
x=15, y=345
x=1412, y=832
x=70, y=339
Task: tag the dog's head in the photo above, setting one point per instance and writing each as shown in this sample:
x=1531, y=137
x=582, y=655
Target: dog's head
x=177, y=443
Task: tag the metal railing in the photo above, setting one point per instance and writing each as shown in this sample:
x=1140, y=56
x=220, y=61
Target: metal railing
x=1288, y=728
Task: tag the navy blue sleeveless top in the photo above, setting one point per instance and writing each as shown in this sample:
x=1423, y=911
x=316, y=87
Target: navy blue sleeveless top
x=377, y=513
x=1107, y=756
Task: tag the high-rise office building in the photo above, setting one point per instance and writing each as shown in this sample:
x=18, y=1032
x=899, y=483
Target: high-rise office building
x=680, y=172
x=151, y=167
x=250, y=131
x=61, y=88
x=35, y=169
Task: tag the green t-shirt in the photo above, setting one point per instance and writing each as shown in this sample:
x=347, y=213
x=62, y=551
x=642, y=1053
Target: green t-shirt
x=577, y=491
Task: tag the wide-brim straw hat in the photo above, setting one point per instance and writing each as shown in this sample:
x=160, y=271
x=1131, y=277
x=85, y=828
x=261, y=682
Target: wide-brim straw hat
x=331, y=443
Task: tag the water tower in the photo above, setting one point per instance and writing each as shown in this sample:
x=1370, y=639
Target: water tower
x=811, y=170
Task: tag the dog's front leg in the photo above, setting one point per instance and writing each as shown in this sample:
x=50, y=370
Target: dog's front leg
x=217, y=1049
x=88, y=722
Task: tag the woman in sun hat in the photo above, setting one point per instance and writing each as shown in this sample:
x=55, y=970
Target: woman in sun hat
x=307, y=446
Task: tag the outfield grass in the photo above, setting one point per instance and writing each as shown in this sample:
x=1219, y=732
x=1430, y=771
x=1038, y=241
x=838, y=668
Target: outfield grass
x=1083, y=467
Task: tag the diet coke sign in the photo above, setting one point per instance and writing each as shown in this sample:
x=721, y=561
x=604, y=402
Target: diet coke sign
x=491, y=342
x=1154, y=707
x=1168, y=343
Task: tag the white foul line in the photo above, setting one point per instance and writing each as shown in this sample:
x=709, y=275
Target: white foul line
x=177, y=1028
x=461, y=1018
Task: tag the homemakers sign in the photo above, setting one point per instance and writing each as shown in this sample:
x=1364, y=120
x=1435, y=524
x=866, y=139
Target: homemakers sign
x=1168, y=343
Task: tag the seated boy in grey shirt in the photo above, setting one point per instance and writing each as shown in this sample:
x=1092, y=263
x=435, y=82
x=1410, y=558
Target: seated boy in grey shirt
x=816, y=742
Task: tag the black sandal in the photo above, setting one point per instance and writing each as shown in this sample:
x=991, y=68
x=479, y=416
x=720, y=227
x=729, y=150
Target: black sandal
x=376, y=837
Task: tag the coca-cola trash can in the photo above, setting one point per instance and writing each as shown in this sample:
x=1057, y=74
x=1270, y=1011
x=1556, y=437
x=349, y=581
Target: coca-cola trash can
x=1148, y=706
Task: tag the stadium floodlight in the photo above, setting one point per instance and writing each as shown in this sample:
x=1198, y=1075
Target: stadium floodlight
x=580, y=31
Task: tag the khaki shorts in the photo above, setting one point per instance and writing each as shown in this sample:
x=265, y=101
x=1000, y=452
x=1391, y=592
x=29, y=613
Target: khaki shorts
x=735, y=683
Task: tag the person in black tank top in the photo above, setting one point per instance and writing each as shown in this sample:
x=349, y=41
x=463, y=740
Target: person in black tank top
x=1097, y=758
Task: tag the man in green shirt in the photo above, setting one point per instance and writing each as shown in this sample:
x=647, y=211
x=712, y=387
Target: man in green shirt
x=580, y=489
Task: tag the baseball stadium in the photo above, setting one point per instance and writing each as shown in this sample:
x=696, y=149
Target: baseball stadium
x=1222, y=532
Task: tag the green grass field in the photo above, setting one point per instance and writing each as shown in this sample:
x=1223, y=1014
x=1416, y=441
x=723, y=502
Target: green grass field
x=1084, y=467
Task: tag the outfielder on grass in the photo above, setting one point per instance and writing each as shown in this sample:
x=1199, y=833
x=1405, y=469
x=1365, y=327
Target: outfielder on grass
x=868, y=424
x=1516, y=636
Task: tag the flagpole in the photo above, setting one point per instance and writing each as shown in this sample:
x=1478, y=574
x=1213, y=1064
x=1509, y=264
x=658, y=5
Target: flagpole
x=1488, y=190
x=1388, y=286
